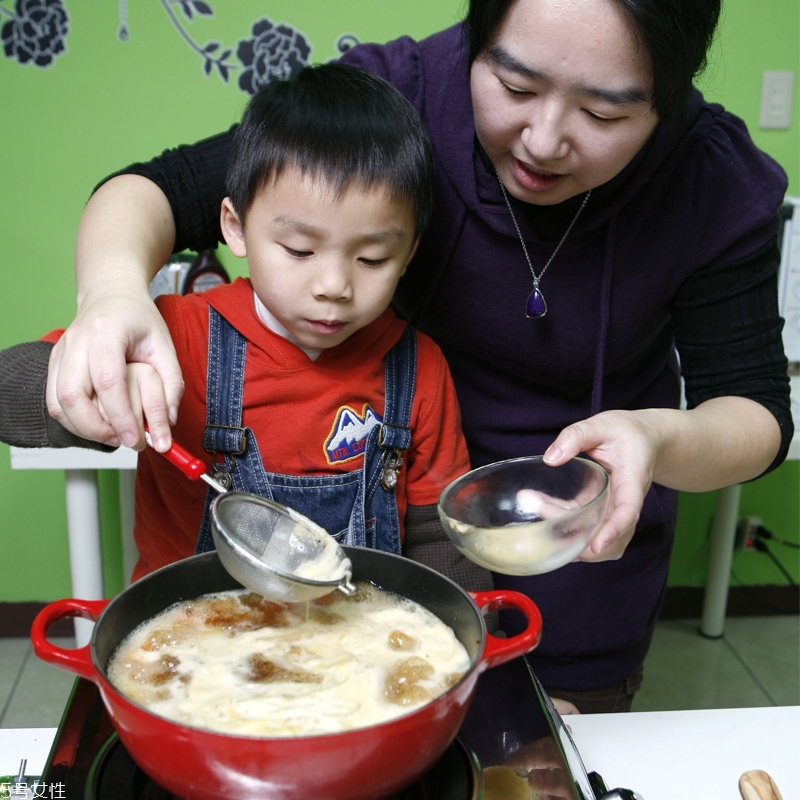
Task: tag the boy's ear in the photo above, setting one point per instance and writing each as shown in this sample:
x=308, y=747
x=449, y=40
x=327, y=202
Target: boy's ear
x=232, y=229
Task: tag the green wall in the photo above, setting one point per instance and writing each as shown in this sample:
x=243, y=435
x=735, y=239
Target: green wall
x=774, y=500
x=103, y=101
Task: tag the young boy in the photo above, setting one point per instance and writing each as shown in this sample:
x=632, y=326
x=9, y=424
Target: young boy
x=301, y=383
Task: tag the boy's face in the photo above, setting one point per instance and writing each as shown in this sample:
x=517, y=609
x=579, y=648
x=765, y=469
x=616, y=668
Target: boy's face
x=324, y=267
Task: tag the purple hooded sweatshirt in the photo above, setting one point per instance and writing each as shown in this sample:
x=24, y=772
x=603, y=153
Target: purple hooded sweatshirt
x=699, y=194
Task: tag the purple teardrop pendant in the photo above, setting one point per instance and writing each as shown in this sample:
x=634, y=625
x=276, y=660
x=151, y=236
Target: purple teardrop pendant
x=536, y=306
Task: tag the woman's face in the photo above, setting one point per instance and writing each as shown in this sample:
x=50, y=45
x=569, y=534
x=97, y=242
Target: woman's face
x=562, y=97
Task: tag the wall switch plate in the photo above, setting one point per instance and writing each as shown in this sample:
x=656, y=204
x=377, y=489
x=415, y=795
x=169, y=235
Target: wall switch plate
x=777, y=89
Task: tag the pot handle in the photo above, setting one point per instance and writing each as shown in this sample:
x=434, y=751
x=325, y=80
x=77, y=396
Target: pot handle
x=77, y=660
x=497, y=650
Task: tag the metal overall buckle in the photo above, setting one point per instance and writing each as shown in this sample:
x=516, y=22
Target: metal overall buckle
x=220, y=472
x=391, y=461
x=392, y=457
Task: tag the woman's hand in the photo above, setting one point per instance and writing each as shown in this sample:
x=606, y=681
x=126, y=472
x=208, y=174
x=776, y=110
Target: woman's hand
x=625, y=448
x=125, y=236
x=719, y=443
x=87, y=389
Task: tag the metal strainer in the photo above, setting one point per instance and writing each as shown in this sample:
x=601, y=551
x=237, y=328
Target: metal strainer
x=273, y=550
x=269, y=548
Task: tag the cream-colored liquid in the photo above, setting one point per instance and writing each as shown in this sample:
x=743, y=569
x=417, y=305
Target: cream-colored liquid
x=236, y=663
x=329, y=565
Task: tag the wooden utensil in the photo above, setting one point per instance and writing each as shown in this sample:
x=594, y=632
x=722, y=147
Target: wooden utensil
x=756, y=784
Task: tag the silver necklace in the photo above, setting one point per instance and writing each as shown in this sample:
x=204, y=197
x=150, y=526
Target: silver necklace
x=536, y=306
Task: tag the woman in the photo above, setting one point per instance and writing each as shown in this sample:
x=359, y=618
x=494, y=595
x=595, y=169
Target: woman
x=592, y=213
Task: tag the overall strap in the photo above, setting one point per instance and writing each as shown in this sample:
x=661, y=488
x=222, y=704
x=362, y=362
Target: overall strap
x=224, y=435
x=227, y=354
x=394, y=434
x=386, y=444
x=401, y=376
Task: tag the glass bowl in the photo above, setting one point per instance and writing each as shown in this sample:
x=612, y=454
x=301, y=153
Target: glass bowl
x=523, y=517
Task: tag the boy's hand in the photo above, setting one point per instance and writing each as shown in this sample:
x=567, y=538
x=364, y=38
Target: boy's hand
x=87, y=387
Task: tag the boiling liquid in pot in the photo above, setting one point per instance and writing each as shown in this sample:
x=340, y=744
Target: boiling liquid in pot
x=234, y=662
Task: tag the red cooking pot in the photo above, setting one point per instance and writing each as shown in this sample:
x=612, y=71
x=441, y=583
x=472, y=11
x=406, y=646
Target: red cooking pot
x=365, y=763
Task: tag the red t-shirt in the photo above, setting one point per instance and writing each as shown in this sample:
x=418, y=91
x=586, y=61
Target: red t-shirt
x=295, y=406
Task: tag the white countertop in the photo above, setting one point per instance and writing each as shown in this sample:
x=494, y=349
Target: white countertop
x=697, y=755
x=30, y=743
x=662, y=755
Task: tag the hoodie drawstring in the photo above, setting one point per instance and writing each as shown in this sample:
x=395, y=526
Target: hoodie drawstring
x=605, y=313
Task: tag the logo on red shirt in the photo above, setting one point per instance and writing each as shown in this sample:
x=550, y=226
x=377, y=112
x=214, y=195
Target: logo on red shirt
x=348, y=436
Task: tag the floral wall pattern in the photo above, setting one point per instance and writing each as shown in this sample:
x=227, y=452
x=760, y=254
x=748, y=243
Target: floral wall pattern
x=35, y=32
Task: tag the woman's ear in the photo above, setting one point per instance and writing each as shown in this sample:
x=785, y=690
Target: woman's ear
x=232, y=229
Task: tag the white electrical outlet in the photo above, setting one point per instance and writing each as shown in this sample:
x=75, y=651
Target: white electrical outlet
x=777, y=89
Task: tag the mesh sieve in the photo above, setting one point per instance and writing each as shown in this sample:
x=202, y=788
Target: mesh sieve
x=273, y=550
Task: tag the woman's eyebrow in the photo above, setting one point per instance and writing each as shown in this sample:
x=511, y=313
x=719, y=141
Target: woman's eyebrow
x=502, y=57
x=619, y=97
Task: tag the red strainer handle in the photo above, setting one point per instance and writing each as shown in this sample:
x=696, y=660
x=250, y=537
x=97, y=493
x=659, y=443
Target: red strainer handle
x=190, y=466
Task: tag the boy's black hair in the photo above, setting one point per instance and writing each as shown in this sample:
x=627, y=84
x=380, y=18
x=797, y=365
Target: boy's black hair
x=675, y=34
x=339, y=124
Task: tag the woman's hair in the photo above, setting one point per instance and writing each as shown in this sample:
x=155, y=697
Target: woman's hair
x=337, y=124
x=676, y=34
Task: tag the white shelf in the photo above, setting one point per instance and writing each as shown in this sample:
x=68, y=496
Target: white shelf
x=72, y=458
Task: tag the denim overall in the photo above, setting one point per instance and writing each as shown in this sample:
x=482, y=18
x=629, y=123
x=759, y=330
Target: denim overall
x=358, y=508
